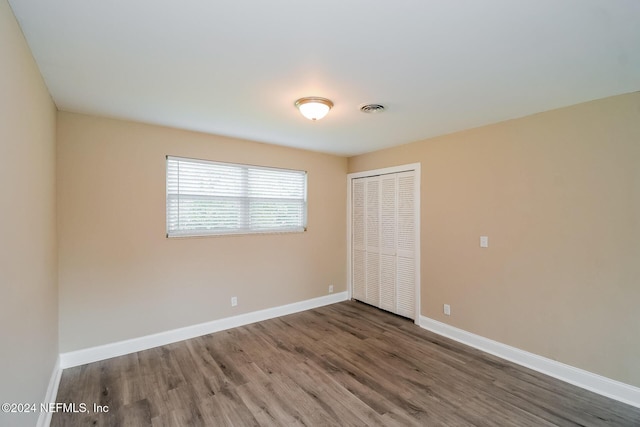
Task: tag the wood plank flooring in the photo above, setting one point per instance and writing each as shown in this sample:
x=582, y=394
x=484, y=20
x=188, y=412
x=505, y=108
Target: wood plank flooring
x=346, y=364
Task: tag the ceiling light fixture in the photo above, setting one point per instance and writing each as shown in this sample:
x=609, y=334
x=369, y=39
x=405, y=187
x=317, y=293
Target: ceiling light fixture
x=313, y=107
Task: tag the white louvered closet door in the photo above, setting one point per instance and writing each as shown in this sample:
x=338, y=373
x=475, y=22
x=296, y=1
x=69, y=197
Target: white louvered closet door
x=406, y=247
x=358, y=248
x=383, y=242
x=388, y=233
x=372, y=236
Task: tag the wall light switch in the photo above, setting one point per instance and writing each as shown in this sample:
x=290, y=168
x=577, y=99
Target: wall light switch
x=447, y=310
x=234, y=301
x=484, y=241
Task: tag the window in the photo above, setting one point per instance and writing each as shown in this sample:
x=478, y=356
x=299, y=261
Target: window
x=208, y=198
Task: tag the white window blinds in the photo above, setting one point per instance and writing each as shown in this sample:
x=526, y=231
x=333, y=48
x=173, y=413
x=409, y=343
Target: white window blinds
x=210, y=198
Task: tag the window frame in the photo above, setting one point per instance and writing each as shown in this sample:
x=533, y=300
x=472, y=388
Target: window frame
x=245, y=201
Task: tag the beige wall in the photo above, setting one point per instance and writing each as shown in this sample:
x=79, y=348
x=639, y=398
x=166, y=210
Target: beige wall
x=558, y=194
x=28, y=277
x=121, y=278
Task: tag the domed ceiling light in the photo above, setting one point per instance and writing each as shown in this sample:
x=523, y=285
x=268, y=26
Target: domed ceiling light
x=313, y=107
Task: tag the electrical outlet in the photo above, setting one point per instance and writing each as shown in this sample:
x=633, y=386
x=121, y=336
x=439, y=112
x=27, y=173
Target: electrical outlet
x=447, y=309
x=330, y=289
x=234, y=301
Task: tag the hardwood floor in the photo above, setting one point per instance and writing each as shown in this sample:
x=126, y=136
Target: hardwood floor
x=344, y=364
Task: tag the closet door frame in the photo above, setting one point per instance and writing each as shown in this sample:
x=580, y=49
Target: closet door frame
x=415, y=167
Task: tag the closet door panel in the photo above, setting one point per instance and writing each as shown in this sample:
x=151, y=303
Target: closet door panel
x=388, y=220
x=406, y=274
x=406, y=214
x=373, y=214
x=359, y=266
x=358, y=242
x=358, y=206
x=388, y=231
x=388, y=282
x=373, y=279
x=373, y=240
x=406, y=289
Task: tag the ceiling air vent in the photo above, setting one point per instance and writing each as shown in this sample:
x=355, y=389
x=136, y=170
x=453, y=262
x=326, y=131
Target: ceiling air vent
x=372, y=108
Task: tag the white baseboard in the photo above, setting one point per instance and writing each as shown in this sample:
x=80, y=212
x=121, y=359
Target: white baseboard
x=598, y=384
x=107, y=351
x=52, y=391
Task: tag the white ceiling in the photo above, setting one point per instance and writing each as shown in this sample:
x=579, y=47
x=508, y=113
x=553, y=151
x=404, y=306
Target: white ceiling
x=236, y=67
